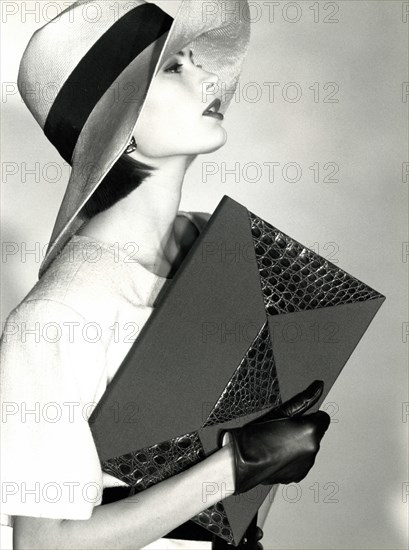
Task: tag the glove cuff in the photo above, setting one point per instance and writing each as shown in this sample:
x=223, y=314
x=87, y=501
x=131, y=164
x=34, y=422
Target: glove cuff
x=239, y=463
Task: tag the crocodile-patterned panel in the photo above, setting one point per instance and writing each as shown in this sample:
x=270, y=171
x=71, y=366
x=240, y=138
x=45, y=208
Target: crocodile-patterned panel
x=294, y=278
x=214, y=519
x=253, y=385
x=145, y=467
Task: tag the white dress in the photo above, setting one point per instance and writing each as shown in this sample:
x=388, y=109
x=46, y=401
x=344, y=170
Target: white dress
x=60, y=348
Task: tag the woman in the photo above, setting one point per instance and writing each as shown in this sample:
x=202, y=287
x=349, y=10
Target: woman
x=133, y=202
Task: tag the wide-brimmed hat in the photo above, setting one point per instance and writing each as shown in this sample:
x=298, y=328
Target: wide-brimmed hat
x=94, y=65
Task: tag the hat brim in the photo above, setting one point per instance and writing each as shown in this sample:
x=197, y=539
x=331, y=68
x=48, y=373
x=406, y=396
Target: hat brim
x=219, y=39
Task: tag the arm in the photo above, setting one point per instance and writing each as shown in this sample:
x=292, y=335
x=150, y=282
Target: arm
x=36, y=452
x=139, y=520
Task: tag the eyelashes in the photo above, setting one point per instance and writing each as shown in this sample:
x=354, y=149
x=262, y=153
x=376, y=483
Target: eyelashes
x=174, y=68
x=177, y=66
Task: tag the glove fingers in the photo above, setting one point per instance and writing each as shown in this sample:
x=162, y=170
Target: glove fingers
x=295, y=406
x=301, y=402
x=277, y=451
x=323, y=421
x=318, y=422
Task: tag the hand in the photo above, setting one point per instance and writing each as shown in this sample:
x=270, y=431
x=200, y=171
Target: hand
x=280, y=446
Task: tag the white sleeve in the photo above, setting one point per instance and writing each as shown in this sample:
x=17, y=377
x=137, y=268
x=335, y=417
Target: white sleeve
x=49, y=464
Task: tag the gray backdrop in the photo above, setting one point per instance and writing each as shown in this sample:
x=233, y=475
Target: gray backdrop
x=323, y=96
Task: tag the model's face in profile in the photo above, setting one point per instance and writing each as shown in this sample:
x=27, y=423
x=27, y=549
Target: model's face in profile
x=172, y=121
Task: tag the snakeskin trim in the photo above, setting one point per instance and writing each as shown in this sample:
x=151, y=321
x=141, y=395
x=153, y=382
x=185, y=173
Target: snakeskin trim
x=294, y=278
x=215, y=519
x=148, y=466
x=253, y=386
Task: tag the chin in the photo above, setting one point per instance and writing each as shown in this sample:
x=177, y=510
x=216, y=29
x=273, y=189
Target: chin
x=213, y=149
x=217, y=143
x=157, y=151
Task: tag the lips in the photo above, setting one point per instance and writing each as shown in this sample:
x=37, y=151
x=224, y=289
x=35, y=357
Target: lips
x=212, y=110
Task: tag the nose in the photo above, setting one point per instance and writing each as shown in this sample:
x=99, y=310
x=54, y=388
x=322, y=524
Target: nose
x=210, y=81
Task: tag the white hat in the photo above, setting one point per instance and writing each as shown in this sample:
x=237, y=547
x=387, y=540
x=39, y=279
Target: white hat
x=101, y=57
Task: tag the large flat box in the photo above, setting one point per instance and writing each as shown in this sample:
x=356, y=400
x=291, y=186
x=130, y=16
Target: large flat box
x=250, y=319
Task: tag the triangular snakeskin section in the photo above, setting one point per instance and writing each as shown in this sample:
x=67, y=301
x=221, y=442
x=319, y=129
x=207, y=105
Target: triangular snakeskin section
x=253, y=385
x=294, y=278
x=145, y=467
x=215, y=520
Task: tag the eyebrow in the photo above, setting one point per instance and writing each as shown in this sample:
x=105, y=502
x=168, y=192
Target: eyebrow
x=182, y=53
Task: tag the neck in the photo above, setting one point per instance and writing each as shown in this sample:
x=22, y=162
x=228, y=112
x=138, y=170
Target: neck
x=143, y=223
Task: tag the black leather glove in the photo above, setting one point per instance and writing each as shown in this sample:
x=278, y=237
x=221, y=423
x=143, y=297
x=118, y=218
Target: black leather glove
x=280, y=446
